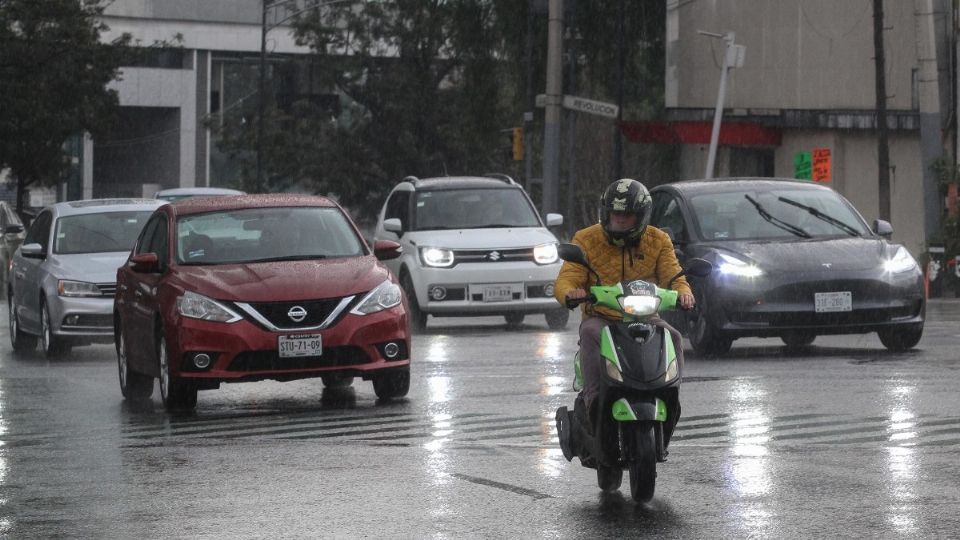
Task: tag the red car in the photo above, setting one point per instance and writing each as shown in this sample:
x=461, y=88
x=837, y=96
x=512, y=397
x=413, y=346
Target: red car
x=256, y=287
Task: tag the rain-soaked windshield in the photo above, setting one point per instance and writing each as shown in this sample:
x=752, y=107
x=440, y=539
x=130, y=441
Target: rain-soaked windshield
x=775, y=214
x=265, y=234
x=473, y=209
x=99, y=233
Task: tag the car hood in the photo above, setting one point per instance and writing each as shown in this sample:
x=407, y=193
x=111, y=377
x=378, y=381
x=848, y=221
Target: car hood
x=811, y=255
x=284, y=281
x=501, y=238
x=89, y=267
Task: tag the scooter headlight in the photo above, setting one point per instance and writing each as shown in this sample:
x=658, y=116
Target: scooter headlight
x=614, y=372
x=640, y=305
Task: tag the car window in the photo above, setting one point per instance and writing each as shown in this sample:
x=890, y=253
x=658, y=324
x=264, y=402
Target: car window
x=731, y=216
x=263, y=234
x=100, y=232
x=146, y=236
x=667, y=214
x=399, y=207
x=473, y=209
x=39, y=232
x=156, y=242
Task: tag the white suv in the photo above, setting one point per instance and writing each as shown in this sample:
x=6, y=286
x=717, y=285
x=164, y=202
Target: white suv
x=472, y=246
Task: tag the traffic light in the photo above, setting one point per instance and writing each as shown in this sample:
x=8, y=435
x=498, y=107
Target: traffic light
x=517, y=143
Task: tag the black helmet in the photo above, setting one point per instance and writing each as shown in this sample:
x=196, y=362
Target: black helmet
x=626, y=195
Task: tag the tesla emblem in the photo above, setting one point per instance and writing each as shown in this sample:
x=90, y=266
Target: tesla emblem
x=827, y=265
x=297, y=314
x=494, y=256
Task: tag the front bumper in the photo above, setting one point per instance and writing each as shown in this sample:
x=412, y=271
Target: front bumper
x=82, y=317
x=245, y=351
x=530, y=284
x=770, y=306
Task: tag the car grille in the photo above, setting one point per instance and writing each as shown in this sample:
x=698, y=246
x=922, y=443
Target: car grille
x=492, y=255
x=252, y=361
x=276, y=312
x=107, y=289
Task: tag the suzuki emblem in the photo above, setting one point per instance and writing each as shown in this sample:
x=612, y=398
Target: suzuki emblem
x=494, y=256
x=827, y=265
x=297, y=314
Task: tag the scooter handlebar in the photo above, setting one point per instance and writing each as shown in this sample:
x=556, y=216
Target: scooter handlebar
x=574, y=302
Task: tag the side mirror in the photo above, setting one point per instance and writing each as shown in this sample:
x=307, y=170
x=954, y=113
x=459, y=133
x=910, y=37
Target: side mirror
x=572, y=253
x=385, y=250
x=13, y=228
x=554, y=220
x=146, y=263
x=882, y=228
x=393, y=225
x=697, y=267
x=32, y=250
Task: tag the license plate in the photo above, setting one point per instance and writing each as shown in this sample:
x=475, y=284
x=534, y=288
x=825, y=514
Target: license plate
x=831, y=302
x=302, y=345
x=497, y=293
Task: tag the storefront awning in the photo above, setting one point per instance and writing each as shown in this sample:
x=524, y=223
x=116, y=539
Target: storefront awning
x=681, y=132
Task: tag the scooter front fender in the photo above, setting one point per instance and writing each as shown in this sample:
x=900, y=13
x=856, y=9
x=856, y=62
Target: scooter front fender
x=639, y=410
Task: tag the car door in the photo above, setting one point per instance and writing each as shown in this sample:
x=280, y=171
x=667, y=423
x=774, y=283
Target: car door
x=28, y=273
x=397, y=207
x=140, y=292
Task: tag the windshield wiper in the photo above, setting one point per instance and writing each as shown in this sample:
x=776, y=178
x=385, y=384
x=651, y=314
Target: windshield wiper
x=288, y=258
x=820, y=215
x=778, y=222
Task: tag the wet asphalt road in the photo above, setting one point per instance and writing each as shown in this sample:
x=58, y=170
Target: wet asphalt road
x=843, y=440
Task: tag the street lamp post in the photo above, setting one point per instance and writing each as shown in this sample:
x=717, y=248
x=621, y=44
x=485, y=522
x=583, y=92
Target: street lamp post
x=732, y=57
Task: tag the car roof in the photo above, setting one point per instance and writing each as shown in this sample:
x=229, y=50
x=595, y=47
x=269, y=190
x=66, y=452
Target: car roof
x=461, y=182
x=199, y=205
x=198, y=191
x=722, y=185
x=96, y=206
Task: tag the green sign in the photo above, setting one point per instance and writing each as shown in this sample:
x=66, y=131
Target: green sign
x=802, y=165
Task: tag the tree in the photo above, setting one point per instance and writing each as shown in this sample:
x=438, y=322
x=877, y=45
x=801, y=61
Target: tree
x=53, y=76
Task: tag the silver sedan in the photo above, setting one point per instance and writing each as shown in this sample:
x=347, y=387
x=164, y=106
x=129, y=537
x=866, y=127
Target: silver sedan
x=63, y=278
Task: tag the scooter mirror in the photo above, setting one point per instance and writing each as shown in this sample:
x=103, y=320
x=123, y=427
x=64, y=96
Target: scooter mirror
x=572, y=253
x=698, y=267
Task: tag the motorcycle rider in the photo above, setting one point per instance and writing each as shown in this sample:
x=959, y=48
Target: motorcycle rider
x=622, y=247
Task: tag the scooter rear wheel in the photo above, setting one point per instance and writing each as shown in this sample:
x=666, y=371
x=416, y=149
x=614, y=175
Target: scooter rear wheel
x=643, y=463
x=609, y=478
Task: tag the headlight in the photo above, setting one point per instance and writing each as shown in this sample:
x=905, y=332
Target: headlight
x=640, y=305
x=385, y=296
x=77, y=288
x=614, y=372
x=545, y=254
x=437, y=257
x=734, y=266
x=197, y=306
x=673, y=369
x=901, y=262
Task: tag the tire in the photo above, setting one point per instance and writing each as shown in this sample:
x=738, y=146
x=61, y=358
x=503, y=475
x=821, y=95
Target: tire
x=796, y=340
x=418, y=319
x=392, y=385
x=177, y=395
x=336, y=381
x=21, y=341
x=643, y=462
x=134, y=386
x=901, y=338
x=557, y=319
x=52, y=345
x=514, y=319
x=706, y=340
x=609, y=478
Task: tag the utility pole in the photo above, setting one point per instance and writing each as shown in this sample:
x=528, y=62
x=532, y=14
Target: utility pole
x=554, y=100
x=531, y=101
x=883, y=147
x=732, y=57
x=573, y=35
x=621, y=65
x=261, y=96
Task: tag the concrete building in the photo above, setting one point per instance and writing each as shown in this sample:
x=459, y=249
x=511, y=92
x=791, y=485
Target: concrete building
x=807, y=83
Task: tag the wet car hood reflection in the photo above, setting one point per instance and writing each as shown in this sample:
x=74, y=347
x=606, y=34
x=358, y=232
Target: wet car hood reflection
x=810, y=255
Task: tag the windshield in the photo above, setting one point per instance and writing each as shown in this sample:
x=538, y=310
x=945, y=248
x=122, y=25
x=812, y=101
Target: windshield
x=473, y=209
x=99, y=233
x=734, y=216
x=266, y=234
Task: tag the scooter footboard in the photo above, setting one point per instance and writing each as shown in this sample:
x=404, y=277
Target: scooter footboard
x=639, y=410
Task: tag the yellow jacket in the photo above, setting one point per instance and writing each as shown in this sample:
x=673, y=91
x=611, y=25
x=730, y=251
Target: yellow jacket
x=653, y=260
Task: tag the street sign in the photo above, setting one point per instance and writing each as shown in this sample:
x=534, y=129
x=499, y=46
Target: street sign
x=822, y=165
x=589, y=106
x=802, y=165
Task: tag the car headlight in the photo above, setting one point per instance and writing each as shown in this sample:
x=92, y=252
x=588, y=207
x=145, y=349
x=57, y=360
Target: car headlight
x=735, y=267
x=545, y=254
x=901, y=262
x=65, y=287
x=440, y=258
x=640, y=305
x=384, y=296
x=197, y=306
x=614, y=372
x=673, y=369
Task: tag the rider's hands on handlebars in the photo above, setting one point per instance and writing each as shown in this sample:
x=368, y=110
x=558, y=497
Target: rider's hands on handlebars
x=686, y=301
x=576, y=297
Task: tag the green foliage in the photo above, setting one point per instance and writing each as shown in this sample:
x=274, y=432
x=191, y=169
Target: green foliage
x=53, y=76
